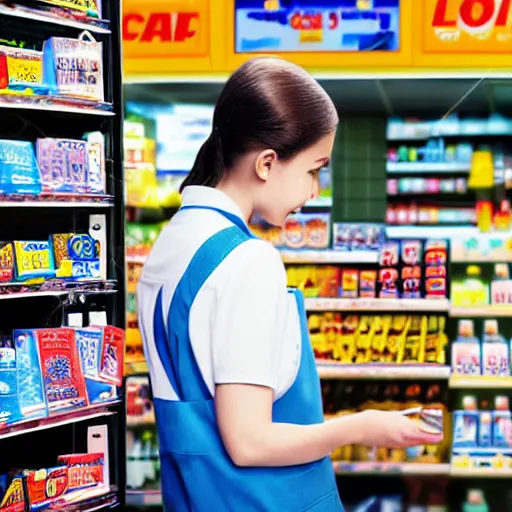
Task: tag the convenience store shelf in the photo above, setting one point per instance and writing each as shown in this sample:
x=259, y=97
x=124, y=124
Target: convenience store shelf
x=390, y=469
x=56, y=288
x=57, y=201
x=84, y=414
x=389, y=305
x=490, y=310
x=479, y=382
x=480, y=473
x=424, y=232
x=55, y=104
x=144, y=498
x=333, y=370
x=334, y=257
x=20, y=12
x=427, y=167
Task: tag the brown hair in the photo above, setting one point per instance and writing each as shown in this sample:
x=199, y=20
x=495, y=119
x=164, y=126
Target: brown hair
x=266, y=103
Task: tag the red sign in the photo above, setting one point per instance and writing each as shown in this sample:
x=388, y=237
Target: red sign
x=467, y=26
x=165, y=28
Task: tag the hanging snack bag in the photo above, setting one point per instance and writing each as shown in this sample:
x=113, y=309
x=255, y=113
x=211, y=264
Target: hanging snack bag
x=74, y=67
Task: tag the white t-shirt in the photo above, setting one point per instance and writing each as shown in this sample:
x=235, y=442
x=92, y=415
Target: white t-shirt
x=244, y=326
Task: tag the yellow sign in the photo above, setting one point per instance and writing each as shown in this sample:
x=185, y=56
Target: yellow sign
x=164, y=29
x=467, y=26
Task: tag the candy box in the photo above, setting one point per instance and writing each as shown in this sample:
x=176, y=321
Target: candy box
x=112, y=356
x=25, y=67
x=6, y=262
x=9, y=406
x=34, y=260
x=294, y=232
x=316, y=227
x=89, y=342
x=85, y=470
x=349, y=283
x=12, y=493
x=63, y=164
x=19, y=173
x=74, y=67
x=63, y=378
x=31, y=391
x=45, y=486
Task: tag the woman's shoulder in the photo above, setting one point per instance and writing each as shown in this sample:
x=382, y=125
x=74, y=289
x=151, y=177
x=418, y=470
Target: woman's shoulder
x=255, y=260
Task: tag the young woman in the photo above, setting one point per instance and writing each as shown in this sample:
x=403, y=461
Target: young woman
x=237, y=394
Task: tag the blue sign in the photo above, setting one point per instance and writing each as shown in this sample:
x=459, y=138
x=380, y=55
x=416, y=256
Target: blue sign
x=316, y=26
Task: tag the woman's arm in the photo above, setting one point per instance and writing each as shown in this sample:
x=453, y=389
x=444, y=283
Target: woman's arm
x=244, y=415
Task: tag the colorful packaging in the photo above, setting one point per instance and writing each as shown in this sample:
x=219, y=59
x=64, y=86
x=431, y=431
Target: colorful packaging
x=13, y=499
x=485, y=428
x=34, y=260
x=25, y=67
x=85, y=470
x=316, y=227
x=388, y=282
x=31, y=391
x=411, y=252
x=96, y=175
x=466, y=351
x=112, y=355
x=6, y=262
x=294, y=236
x=9, y=407
x=63, y=164
x=19, y=173
x=368, y=283
x=501, y=422
x=388, y=256
x=45, y=486
x=349, y=283
x=62, y=374
x=411, y=282
x=74, y=67
x=495, y=351
x=465, y=428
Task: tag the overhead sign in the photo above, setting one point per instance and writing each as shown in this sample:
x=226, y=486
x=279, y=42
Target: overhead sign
x=467, y=26
x=316, y=26
x=162, y=29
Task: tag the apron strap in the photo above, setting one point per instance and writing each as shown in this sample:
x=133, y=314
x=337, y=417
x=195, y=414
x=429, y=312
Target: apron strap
x=190, y=385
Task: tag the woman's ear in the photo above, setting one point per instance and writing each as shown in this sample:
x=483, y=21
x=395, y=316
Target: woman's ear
x=265, y=162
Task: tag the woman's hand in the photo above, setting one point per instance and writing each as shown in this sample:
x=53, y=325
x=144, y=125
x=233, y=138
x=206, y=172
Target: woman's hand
x=392, y=430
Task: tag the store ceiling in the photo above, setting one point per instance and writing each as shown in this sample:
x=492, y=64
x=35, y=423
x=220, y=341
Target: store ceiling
x=402, y=97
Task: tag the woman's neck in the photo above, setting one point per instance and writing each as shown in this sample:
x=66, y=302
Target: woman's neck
x=240, y=196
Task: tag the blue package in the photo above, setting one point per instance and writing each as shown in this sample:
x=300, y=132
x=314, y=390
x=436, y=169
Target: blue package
x=31, y=395
x=89, y=343
x=465, y=429
x=485, y=428
x=499, y=423
x=9, y=406
x=19, y=172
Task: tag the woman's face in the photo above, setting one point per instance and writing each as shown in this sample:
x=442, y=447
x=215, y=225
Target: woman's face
x=292, y=183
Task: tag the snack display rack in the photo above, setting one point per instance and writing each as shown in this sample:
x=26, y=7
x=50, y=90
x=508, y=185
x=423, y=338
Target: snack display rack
x=434, y=309
x=62, y=276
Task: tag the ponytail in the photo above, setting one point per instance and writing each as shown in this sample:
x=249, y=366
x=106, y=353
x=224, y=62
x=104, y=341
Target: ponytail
x=208, y=167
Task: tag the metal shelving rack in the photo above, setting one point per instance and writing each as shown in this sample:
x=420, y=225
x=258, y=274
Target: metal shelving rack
x=36, y=444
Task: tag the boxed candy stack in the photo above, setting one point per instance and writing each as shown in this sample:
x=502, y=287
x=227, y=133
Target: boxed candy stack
x=44, y=372
x=69, y=256
x=77, y=477
x=60, y=166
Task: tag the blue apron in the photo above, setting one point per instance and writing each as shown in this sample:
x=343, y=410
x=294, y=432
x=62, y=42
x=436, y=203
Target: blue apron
x=196, y=471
